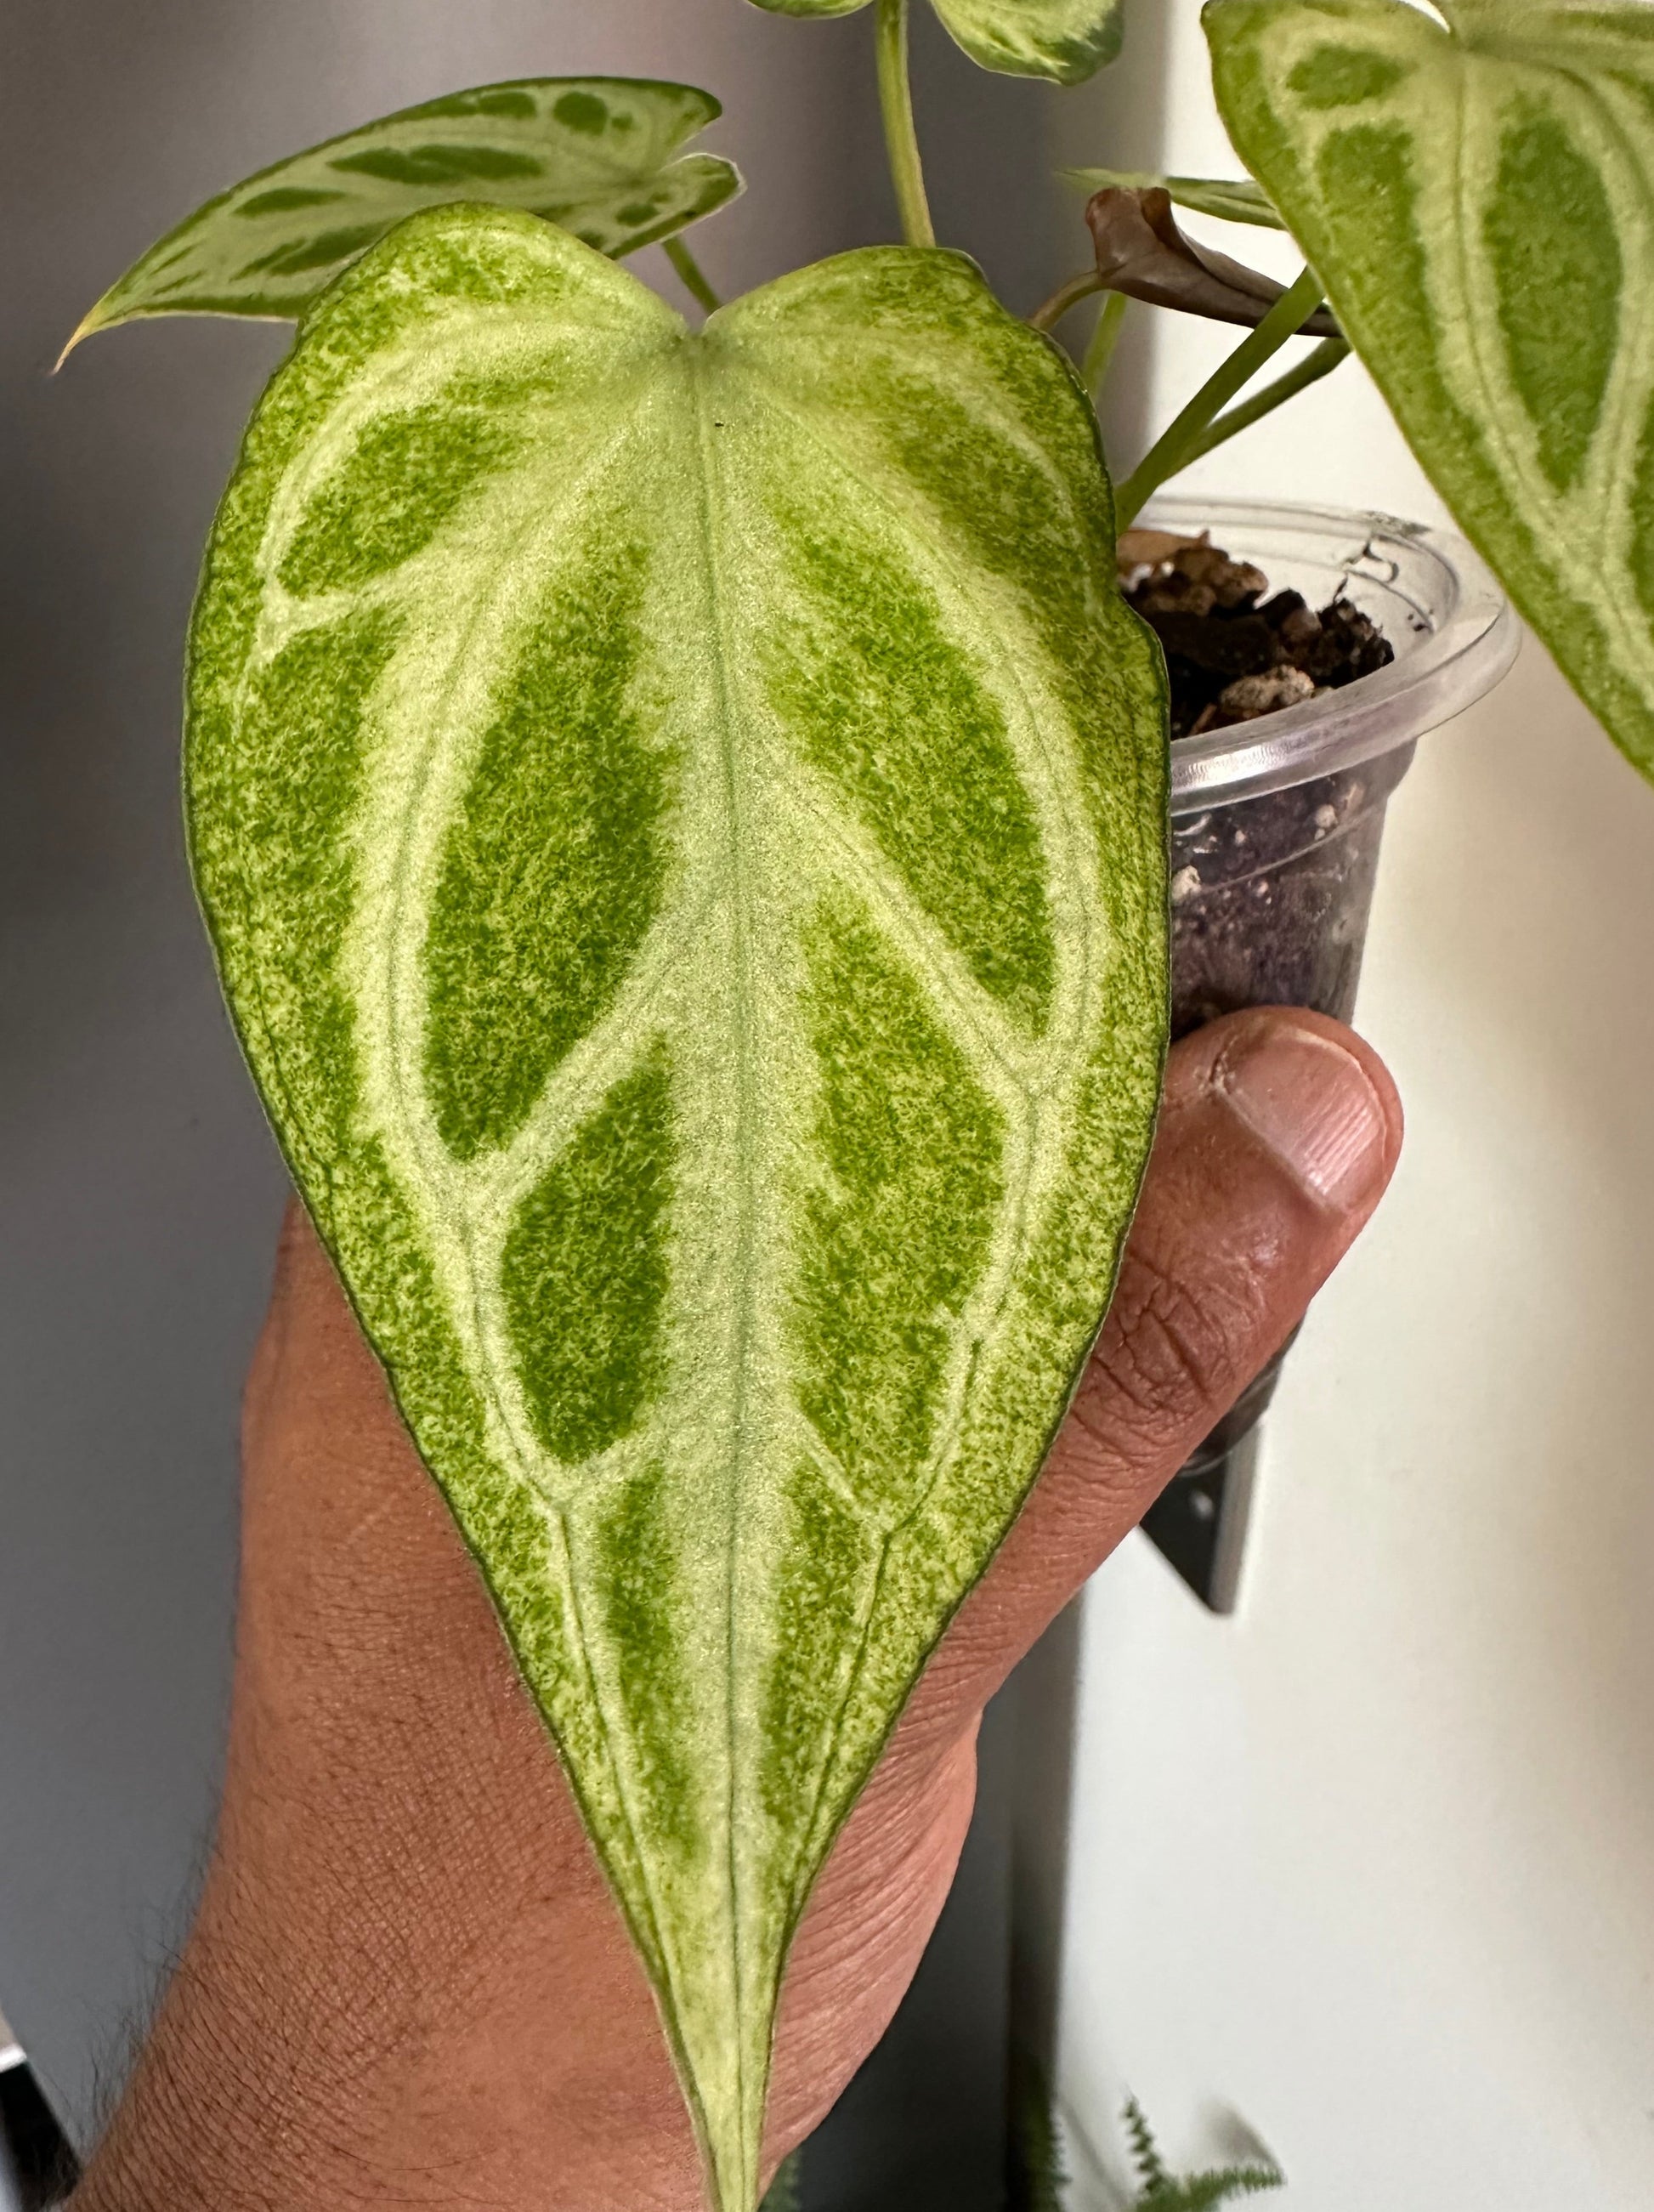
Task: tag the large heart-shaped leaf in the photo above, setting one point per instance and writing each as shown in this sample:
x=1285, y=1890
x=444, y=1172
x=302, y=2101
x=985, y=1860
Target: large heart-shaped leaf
x=1478, y=203
x=1066, y=40
x=598, y=154
x=681, y=821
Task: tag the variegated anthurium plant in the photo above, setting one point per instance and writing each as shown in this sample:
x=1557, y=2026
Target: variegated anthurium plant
x=680, y=813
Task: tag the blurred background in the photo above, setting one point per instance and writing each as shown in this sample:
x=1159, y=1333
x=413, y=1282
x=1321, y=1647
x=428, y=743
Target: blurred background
x=1365, y=1874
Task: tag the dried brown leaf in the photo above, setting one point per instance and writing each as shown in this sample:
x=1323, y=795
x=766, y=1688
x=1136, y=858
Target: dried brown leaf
x=1142, y=252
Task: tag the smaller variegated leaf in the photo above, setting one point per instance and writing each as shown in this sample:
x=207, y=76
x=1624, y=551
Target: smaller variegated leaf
x=598, y=154
x=1066, y=40
x=1478, y=203
x=1231, y=199
x=682, y=819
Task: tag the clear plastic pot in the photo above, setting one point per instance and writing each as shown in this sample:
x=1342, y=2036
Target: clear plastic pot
x=1276, y=823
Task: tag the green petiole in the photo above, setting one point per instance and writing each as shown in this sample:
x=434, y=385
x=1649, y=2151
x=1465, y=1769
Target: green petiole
x=1181, y=442
x=1099, y=346
x=1319, y=362
x=693, y=276
x=896, y=106
x=1082, y=287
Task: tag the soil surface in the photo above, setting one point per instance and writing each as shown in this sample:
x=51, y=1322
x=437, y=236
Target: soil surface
x=1233, y=649
x=1269, y=896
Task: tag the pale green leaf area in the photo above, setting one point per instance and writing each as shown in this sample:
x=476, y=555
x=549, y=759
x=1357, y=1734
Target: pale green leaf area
x=682, y=819
x=1479, y=203
x=1066, y=40
x=598, y=154
x=1231, y=199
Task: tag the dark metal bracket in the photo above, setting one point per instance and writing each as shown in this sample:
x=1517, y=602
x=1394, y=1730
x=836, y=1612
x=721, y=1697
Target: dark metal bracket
x=1199, y=1523
x=37, y=2167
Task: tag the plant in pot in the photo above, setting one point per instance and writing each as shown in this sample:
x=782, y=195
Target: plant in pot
x=683, y=818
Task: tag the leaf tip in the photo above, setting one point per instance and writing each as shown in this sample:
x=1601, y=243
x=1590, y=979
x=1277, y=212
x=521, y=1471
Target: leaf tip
x=93, y=321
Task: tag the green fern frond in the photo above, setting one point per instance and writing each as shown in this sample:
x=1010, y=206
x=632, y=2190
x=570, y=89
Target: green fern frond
x=1199, y=2192
x=1145, y=2151
x=1035, y=2178
x=1161, y=2191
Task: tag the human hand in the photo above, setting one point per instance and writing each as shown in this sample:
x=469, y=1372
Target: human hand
x=407, y=1983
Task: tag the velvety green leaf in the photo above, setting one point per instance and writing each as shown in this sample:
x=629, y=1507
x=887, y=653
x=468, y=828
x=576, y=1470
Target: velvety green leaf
x=681, y=821
x=1478, y=203
x=1233, y=199
x=1066, y=40
x=598, y=154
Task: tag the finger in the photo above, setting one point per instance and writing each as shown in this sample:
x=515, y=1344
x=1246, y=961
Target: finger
x=1278, y=1131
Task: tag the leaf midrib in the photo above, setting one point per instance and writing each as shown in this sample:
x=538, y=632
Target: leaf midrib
x=711, y=524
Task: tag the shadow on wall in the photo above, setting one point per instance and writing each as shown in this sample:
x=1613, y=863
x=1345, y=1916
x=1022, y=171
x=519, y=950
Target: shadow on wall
x=1556, y=1657
x=1117, y=121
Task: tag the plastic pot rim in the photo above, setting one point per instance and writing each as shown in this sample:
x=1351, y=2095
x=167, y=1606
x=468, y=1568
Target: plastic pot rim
x=1461, y=637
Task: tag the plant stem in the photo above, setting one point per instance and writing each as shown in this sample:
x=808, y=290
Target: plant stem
x=1315, y=365
x=896, y=106
x=1065, y=296
x=1176, y=447
x=1100, y=349
x=693, y=276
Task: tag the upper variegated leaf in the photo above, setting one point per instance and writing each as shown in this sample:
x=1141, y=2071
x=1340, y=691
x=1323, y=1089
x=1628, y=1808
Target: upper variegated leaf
x=598, y=154
x=1066, y=40
x=681, y=821
x=1479, y=203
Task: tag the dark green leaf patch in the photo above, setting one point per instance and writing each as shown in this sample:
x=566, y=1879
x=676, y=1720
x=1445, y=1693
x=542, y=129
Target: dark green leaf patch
x=424, y=166
x=897, y=1236
x=297, y=257
x=301, y=782
x=282, y=201
x=403, y=479
x=552, y=871
x=584, y=1273
x=1641, y=558
x=886, y=705
x=829, y=1555
x=1555, y=255
x=585, y=111
x=1344, y=76
x=502, y=100
x=631, y=1557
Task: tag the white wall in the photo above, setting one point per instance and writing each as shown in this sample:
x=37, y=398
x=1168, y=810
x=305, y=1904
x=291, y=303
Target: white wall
x=1372, y=1866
